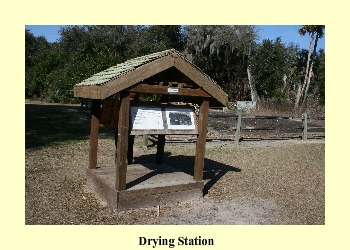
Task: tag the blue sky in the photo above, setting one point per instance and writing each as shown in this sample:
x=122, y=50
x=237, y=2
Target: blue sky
x=288, y=33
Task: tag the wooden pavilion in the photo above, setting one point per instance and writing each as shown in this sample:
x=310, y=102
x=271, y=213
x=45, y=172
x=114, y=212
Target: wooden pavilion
x=180, y=85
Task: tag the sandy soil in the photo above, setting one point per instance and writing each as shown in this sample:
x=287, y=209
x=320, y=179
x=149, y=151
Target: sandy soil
x=255, y=182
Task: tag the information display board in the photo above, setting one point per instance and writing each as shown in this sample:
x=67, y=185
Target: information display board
x=162, y=120
x=180, y=118
x=146, y=118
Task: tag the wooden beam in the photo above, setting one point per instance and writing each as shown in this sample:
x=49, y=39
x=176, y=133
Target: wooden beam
x=93, y=92
x=122, y=143
x=160, y=149
x=95, y=116
x=163, y=90
x=201, y=140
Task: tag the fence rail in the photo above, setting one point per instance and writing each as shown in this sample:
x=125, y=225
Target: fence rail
x=239, y=127
x=304, y=120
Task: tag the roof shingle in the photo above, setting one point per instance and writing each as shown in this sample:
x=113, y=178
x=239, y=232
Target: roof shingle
x=123, y=68
x=130, y=65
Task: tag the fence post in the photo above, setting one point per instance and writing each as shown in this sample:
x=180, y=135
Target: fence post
x=304, y=137
x=238, y=126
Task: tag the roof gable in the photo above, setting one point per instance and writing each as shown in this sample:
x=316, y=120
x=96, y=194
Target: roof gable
x=127, y=74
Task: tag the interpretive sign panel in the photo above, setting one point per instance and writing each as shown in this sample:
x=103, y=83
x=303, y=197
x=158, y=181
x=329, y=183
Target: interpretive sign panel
x=162, y=120
x=180, y=118
x=146, y=118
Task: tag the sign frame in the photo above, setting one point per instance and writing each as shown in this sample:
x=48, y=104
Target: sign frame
x=185, y=121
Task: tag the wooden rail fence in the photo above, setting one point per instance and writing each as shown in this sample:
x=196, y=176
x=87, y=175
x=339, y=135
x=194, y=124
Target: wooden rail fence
x=305, y=128
x=240, y=126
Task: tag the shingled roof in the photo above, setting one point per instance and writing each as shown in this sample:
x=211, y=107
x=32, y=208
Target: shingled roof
x=149, y=68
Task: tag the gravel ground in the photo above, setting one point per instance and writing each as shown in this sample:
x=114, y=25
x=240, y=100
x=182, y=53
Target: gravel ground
x=256, y=182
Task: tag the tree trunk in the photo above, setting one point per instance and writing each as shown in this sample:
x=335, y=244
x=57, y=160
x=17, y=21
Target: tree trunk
x=303, y=85
x=310, y=73
x=284, y=83
x=253, y=93
x=298, y=95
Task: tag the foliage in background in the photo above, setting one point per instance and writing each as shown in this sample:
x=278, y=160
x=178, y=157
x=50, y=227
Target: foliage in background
x=36, y=51
x=274, y=69
x=223, y=52
x=53, y=69
x=229, y=54
x=318, y=87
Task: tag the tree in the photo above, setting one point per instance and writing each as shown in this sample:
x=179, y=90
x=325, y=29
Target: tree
x=318, y=81
x=276, y=69
x=35, y=48
x=53, y=69
x=223, y=52
x=316, y=32
x=36, y=51
x=162, y=37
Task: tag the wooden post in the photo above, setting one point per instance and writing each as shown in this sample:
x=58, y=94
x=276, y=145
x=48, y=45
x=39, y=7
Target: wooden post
x=145, y=140
x=238, y=126
x=304, y=136
x=95, y=116
x=115, y=130
x=131, y=148
x=201, y=140
x=122, y=143
x=160, y=149
x=116, y=102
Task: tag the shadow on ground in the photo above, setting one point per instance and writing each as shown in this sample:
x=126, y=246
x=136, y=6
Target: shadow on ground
x=212, y=171
x=49, y=125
